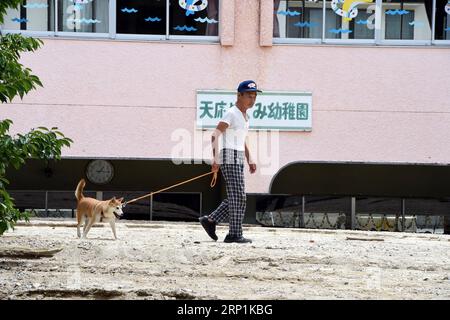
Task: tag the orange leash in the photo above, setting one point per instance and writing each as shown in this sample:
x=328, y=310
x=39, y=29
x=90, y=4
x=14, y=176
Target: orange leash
x=212, y=184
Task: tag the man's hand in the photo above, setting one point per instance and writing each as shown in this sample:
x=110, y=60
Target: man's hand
x=251, y=164
x=214, y=167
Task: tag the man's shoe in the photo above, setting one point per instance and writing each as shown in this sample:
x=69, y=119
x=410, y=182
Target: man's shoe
x=240, y=239
x=210, y=227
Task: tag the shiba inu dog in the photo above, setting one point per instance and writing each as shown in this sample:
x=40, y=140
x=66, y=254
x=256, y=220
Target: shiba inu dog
x=94, y=210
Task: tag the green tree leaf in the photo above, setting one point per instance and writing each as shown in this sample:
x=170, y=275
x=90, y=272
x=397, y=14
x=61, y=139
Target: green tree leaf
x=41, y=143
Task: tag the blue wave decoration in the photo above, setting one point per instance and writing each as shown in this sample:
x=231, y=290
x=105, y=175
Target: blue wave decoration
x=362, y=22
x=84, y=21
x=206, y=19
x=416, y=23
x=185, y=28
x=150, y=19
x=19, y=20
x=399, y=12
x=289, y=13
x=35, y=5
x=305, y=24
x=337, y=31
x=132, y=10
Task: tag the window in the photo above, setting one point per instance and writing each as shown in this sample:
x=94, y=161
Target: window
x=298, y=19
x=342, y=21
x=165, y=19
x=83, y=16
x=397, y=25
x=141, y=17
x=442, y=23
x=36, y=16
x=363, y=27
x=356, y=23
x=201, y=20
x=305, y=19
x=185, y=17
x=407, y=20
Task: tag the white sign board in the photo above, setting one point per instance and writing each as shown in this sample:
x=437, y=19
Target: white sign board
x=288, y=111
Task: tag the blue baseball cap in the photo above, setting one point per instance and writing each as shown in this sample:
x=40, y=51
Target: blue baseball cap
x=248, y=86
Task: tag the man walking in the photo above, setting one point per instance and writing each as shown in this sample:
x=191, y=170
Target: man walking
x=233, y=127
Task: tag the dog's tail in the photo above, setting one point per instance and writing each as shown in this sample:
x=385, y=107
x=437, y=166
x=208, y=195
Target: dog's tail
x=79, y=190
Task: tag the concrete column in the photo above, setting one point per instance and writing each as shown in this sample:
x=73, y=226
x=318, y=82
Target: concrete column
x=266, y=23
x=226, y=21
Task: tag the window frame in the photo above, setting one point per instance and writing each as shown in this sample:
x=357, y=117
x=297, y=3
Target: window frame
x=377, y=41
x=347, y=41
x=434, y=41
x=90, y=35
x=112, y=34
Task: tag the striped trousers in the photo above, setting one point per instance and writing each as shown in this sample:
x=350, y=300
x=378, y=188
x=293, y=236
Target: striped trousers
x=233, y=207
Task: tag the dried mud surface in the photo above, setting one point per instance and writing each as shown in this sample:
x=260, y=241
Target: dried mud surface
x=167, y=260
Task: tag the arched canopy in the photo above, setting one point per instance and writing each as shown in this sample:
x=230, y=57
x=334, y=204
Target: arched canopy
x=391, y=180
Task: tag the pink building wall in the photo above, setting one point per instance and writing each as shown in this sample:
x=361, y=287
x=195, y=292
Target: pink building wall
x=124, y=99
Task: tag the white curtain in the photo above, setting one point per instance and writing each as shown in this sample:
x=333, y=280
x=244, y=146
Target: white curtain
x=212, y=29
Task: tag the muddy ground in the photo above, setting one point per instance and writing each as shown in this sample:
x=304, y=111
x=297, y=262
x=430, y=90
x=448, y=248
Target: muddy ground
x=167, y=260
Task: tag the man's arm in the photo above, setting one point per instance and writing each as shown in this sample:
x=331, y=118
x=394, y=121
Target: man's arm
x=251, y=163
x=247, y=154
x=221, y=127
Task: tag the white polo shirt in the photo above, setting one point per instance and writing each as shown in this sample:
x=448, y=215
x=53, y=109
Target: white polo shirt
x=234, y=136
